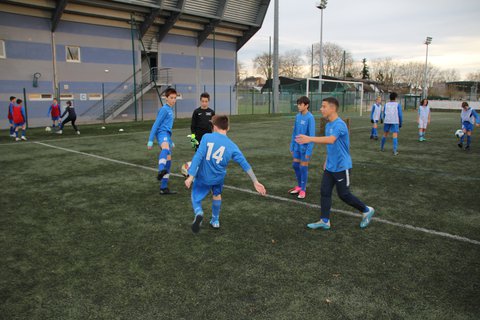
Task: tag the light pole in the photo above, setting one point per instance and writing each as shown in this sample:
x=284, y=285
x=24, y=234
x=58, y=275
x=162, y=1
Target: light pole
x=424, y=91
x=321, y=5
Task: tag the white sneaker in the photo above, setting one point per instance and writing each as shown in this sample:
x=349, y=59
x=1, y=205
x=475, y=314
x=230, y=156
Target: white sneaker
x=78, y=132
x=24, y=138
x=59, y=131
x=13, y=135
x=17, y=139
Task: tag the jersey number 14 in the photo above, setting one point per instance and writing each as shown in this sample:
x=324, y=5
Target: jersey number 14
x=217, y=155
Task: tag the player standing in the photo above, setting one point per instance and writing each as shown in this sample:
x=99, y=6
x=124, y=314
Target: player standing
x=19, y=119
x=162, y=131
x=302, y=154
x=337, y=166
x=423, y=119
x=375, y=117
x=201, y=120
x=468, y=118
x=392, y=118
x=54, y=112
x=10, y=116
x=209, y=167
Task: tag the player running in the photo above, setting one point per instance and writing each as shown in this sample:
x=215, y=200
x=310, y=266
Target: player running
x=468, y=118
x=201, y=123
x=209, y=167
x=392, y=118
x=337, y=166
x=72, y=116
x=375, y=117
x=162, y=131
x=302, y=154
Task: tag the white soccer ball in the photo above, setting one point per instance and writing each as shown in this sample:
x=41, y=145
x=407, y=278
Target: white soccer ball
x=459, y=133
x=48, y=129
x=103, y=128
x=120, y=130
x=184, y=168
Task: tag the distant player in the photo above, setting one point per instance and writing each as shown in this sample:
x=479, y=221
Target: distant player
x=302, y=154
x=72, y=116
x=375, y=117
x=54, y=112
x=392, y=118
x=336, y=167
x=423, y=119
x=162, y=131
x=10, y=117
x=209, y=167
x=19, y=119
x=201, y=120
x=468, y=118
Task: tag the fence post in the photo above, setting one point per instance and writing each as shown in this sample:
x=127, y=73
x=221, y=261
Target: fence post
x=253, y=98
x=230, y=100
x=25, y=104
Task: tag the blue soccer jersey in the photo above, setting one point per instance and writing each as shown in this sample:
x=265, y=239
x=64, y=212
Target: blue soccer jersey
x=163, y=123
x=304, y=124
x=338, y=153
x=209, y=164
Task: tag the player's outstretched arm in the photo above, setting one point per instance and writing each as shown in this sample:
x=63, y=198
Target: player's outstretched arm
x=303, y=139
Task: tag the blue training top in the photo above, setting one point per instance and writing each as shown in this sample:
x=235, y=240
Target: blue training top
x=163, y=123
x=209, y=164
x=304, y=124
x=338, y=153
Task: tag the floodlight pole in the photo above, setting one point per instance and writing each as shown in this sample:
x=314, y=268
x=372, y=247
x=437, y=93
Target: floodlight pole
x=321, y=5
x=424, y=89
x=275, y=80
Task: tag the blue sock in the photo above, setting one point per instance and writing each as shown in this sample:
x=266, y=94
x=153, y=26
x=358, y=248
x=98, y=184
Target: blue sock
x=469, y=139
x=383, y=142
x=304, y=175
x=24, y=131
x=16, y=134
x=12, y=130
x=395, y=144
x=372, y=133
x=216, y=205
x=375, y=132
x=325, y=220
x=162, y=159
x=296, y=168
x=164, y=182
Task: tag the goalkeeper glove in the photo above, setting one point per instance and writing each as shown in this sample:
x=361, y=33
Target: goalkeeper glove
x=193, y=140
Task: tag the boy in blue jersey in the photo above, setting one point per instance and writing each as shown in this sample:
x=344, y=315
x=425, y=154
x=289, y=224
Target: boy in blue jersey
x=375, y=117
x=392, y=119
x=468, y=118
x=337, y=166
x=10, y=116
x=162, y=131
x=209, y=167
x=304, y=124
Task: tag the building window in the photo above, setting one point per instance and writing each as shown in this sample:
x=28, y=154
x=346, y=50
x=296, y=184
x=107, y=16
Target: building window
x=3, y=55
x=73, y=53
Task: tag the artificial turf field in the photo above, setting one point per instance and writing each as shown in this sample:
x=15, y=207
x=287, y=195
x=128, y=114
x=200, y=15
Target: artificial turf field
x=85, y=237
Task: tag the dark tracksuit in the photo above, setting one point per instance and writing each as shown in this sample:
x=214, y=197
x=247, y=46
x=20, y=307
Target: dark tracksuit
x=72, y=116
x=201, y=122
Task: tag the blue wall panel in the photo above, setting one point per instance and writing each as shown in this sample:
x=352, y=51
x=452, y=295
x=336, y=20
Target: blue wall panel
x=93, y=30
x=28, y=50
x=100, y=55
x=21, y=21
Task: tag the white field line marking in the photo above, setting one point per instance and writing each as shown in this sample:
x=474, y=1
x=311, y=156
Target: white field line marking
x=311, y=205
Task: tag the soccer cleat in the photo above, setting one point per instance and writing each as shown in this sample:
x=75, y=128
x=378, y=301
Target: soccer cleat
x=59, y=131
x=197, y=222
x=367, y=217
x=24, y=138
x=320, y=224
x=17, y=139
x=460, y=145
x=371, y=137
x=382, y=150
x=467, y=148
x=295, y=190
x=13, y=135
x=161, y=174
x=78, y=132
x=301, y=195
x=395, y=153
x=166, y=191
x=215, y=224
x=375, y=138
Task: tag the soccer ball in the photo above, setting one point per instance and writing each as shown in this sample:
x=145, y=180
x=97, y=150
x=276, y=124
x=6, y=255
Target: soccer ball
x=459, y=133
x=184, y=168
x=48, y=129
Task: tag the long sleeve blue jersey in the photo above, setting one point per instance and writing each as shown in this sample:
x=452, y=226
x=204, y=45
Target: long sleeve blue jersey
x=163, y=123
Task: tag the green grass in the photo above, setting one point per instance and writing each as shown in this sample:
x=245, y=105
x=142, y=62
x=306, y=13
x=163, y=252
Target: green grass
x=85, y=238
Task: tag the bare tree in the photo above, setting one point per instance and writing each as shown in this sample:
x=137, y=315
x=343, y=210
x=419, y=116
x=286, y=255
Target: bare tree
x=241, y=72
x=474, y=76
x=291, y=64
x=333, y=59
x=385, y=70
x=263, y=64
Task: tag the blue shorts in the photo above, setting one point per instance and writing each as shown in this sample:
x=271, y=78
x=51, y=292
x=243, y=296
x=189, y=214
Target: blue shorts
x=19, y=124
x=302, y=156
x=467, y=126
x=164, y=137
x=55, y=118
x=200, y=190
x=391, y=127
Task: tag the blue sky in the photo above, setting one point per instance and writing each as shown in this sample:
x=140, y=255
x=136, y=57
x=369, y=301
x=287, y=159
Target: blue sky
x=379, y=28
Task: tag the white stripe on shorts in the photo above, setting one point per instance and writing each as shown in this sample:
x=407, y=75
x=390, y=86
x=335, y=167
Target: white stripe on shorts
x=348, y=178
x=162, y=161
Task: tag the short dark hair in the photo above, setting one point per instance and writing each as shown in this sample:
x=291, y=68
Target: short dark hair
x=205, y=95
x=333, y=101
x=12, y=98
x=393, y=96
x=55, y=99
x=423, y=101
x=304, y=100
x=19, y=101
x=69, y=103
x=464, y=104
x=170, y=91
x=220, y=122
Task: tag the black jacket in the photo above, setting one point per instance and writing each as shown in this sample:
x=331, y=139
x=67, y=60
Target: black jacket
x=201, y=121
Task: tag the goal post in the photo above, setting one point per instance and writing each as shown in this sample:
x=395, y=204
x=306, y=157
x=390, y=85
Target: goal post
x=353, y=90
